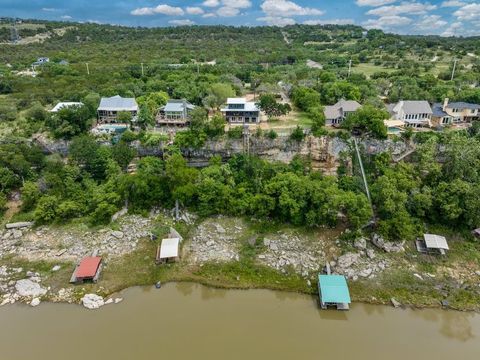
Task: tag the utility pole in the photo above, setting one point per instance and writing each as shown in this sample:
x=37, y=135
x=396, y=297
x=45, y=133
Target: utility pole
x=454, y=67
x=143, y=73
x=349, y=67
x=88, y=70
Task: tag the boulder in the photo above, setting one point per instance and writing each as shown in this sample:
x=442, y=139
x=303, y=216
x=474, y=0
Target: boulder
x=395, y=303
x=56, y=268
x=35, y=302
x=360, y=244
x=370, y=254
x=365, y=272
x=92, y=301
x=379, y=242
x=17, y=234
x=347, y=260
x=18, y=225
x=27, y=287
x=117, y=234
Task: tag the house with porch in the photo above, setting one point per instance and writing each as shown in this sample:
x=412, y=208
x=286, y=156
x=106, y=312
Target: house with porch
x=175, y=112
x=412, y=112
x=241, y=111
x=451, y=113
x=109, y=108
x=335, y=114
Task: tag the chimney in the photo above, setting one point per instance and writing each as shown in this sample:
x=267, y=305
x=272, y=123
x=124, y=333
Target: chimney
x=445, y=104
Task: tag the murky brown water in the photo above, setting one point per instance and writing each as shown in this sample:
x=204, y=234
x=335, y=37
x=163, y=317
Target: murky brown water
x=188, y=321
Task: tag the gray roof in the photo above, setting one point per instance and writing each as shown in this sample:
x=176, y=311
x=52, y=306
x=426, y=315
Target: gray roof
x=177, y=106
x=437, y=109
x=463, y=105
x=433, y=241
x=337, y=110
x=117, y=103
x=416, y=107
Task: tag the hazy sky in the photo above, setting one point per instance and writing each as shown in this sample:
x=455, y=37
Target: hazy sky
x=443, y=17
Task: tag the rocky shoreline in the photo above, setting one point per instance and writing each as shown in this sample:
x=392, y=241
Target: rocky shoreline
x=218, y=240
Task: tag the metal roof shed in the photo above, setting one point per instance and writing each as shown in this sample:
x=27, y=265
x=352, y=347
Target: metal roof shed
x=88, y=269
x=168, y=250
x=432, y=243
x=333, y=290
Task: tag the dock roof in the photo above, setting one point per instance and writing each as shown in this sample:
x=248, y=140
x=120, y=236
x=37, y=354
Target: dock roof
x=333, y=289
x=435, y=241
x=88, y=267
x=169, y=248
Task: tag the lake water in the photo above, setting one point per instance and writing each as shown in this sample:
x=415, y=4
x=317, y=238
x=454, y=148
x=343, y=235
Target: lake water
x=189, y=321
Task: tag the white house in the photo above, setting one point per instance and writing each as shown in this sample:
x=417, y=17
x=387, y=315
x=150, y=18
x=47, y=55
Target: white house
x=413, y=113
x=241, y=111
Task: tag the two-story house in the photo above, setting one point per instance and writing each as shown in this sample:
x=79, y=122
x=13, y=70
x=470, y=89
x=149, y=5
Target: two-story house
x=175, y=112
x=109, y=108
x=241, y=111
x=454, y=113
x=413, y=113
x=335, y=114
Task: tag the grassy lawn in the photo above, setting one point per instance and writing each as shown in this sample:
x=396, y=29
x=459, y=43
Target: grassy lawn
x=369, y=69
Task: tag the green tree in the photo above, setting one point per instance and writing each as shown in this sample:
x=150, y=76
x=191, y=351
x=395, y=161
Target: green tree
x=269, y=105
x=123, y=154
x=297, y=134
x=46, y=210
x=367, y=120
x=218, y=94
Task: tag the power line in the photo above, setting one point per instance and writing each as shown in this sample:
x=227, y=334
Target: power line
x=453, y=70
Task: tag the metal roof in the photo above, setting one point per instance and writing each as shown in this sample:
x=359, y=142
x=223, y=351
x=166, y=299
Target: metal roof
x=169, y=248
x=88, y=267
x=236, y=101
x=177, y=106
x=117, y=103
x=249, y=106
x=333, y=289
x=435, y=241
x=67, y=104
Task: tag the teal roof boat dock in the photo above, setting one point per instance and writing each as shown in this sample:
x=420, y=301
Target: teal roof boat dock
x=333, y=291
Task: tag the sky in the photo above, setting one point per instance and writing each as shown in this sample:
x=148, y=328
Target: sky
x=438, y=17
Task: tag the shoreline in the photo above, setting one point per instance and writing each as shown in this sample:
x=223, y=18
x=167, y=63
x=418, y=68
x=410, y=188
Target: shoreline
x=207, y=284
x=219, y=252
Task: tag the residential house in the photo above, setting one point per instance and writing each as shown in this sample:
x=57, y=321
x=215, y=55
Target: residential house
x=335, y=114
x=241, y=111
x=454, y=113
x=110, y=108
x=413, y=113
x=62, y=105
x=175, y=112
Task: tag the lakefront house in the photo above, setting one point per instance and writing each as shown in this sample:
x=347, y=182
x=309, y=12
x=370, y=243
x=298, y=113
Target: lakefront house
x=413, y=113
x=109, y=108
x=451, y=113
x=175, y=112
x=241, y=111
x=335, y=114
